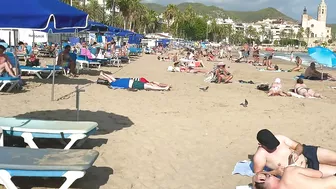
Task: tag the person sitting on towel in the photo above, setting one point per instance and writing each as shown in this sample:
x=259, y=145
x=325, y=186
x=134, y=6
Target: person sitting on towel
x=298, y=62
x=222, y=74
x=132, y=83
x=312, y=74
x=277, y=152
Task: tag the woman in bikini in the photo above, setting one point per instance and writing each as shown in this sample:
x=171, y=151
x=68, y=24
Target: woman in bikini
x=298, y=62
x=276, y=88
x=301, y=89
x=222, y=74
x=5, y=64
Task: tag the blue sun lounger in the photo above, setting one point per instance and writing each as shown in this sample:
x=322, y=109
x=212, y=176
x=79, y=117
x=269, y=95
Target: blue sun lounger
x=38, y=70
x=9, y=80
x=29, y=129
x=26, y=162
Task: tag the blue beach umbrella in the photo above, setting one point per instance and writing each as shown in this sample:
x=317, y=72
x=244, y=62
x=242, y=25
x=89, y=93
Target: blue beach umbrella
x=36, y=14
x=323, y=56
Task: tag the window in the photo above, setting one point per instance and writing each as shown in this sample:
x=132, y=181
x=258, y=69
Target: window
x=322, y=11
x=312, y=35
x=312, y=25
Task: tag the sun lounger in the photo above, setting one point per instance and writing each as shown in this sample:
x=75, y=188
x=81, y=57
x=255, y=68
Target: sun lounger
x=84, y=60
x=13, y=81
x=38, y=70
x=25, y=162
x=29, y=129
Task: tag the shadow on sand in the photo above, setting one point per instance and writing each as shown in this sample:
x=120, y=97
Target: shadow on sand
x=60, y=79
x=94, y=178
x=107, y=123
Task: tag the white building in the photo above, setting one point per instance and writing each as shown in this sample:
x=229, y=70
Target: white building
x=318, y=30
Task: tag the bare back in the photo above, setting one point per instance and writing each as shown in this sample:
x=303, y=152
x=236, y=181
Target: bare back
x=297, y=179
x=279, y=157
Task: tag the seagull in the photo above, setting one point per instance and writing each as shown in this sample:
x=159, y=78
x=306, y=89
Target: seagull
x=244, y=104
x=204, y=89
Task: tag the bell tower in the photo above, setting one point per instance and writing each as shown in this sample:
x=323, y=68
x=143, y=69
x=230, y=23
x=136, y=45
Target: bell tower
x=322, y=12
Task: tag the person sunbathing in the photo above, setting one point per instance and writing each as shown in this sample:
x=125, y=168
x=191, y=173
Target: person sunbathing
x=271, y=68
x=276, y=88
x=222, y=74
x=5, y=64
x=294, y=178
x=298, y=67
x=278, y=151
x=301, y=89
x=134, y=83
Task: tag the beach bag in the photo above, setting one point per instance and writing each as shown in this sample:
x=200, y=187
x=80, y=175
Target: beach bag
x=263, y=87
x=210, y=77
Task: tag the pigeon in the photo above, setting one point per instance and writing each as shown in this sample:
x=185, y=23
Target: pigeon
x=244, y=104
x=204, y=89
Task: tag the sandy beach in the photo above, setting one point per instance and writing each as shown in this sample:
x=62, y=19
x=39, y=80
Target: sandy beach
x=180, y=139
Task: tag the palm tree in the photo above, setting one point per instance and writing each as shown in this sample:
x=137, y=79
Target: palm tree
x=283, y=34
x=308, y=32
x=96, y=12
x=291, y=34
x=299, y=34
x=170, y=13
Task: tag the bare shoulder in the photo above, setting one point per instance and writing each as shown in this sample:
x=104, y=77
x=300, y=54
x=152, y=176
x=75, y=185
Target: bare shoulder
x=260, y=153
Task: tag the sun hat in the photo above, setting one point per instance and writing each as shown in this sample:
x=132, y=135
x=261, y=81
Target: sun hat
x=221, y=64
x=267, y=139
x=277, y=80
x=4, y=45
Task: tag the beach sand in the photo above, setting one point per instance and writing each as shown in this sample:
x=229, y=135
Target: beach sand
x=180, y=139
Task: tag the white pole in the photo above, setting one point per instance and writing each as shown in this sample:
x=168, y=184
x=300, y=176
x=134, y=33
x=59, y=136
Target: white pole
x=70, y=2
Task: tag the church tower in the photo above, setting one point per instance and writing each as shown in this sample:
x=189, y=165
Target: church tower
x=322, y=12
x=304, y=18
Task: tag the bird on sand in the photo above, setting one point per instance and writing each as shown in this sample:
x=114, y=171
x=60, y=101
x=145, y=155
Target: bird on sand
x=244, y=104
x=204, y=89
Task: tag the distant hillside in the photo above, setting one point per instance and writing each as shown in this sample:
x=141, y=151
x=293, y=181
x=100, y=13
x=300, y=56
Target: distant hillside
x=249, y=16
x=333, y=27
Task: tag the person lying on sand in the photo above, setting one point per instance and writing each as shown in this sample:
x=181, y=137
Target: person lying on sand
x=222, y=74
x=294, y=178
x=278, y=151
x=298, y=67
x=271, y=68
x=276, y=89
x=134, y=83
x=312, y=74
x=301, y=89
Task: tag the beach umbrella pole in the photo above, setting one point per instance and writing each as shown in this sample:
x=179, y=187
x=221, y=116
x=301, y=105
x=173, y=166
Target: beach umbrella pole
x=78, y=90
x=53, y=79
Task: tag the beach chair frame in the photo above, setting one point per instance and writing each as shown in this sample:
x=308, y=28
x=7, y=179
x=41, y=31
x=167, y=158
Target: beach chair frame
x=71, y=176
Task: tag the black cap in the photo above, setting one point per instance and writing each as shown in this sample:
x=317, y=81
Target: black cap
x=267, y=139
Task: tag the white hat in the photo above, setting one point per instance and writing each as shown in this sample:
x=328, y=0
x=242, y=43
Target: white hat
x=277, y=80
x=221, y=64
x=170, y=69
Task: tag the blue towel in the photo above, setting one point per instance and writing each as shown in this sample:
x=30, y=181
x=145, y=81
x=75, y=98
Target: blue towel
x=245, y=168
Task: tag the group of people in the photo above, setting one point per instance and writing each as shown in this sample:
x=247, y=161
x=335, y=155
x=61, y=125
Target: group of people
x=293, y=165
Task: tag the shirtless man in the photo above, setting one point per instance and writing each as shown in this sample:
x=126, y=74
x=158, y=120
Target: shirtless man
x=278, y=152
x=5, y=65
x=295, y=178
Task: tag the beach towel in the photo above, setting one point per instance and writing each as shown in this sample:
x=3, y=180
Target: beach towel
x=244, y=187
x=264, y=70
x=245, y=168
x=297, y=95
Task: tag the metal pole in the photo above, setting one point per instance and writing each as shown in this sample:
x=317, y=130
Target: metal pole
x=70, y=2
x=53, y=79
x=77, y=100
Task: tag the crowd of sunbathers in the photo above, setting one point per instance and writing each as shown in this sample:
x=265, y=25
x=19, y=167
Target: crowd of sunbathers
x=292, y=165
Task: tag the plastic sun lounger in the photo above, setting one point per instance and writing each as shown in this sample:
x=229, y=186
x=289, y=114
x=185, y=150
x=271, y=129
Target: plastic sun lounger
x=82, y=59
x=11, y=80
x=38, y=70
x=25, y=162
x=29, y=129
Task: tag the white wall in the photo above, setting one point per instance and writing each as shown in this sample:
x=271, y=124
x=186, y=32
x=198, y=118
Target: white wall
x=24, y=35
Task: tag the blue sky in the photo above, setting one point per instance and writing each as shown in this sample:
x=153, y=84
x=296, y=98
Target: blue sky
x=292, y=8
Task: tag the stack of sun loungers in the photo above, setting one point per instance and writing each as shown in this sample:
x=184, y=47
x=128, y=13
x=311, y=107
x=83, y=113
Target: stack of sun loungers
x=34, y=162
